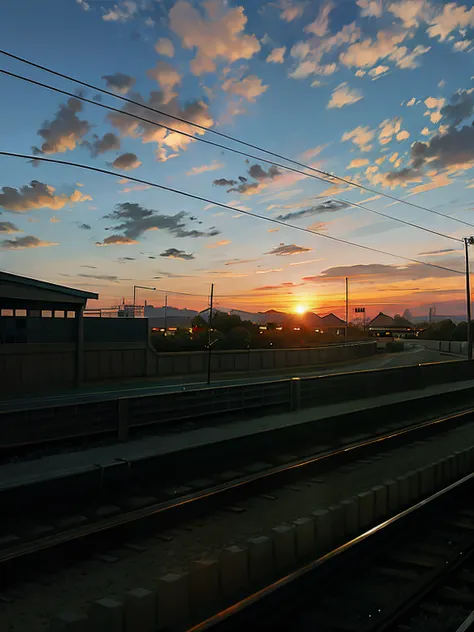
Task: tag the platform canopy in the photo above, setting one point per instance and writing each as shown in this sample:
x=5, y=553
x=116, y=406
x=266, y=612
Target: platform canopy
x=19, y=292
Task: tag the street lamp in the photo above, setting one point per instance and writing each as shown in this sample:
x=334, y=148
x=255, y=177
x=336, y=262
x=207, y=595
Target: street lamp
x=139, y=287
x=468, y=241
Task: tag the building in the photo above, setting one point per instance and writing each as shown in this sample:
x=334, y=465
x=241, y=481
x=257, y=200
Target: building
x=385, y=326
x=333, y=324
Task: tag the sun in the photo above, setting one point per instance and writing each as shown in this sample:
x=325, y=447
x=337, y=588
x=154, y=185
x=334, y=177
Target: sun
x=301, y=309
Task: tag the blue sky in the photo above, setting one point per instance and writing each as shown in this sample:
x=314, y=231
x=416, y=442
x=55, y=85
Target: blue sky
x=377, y=91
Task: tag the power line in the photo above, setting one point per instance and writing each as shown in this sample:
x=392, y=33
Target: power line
x=224, y=206
x=327, y=176
x=107, y=107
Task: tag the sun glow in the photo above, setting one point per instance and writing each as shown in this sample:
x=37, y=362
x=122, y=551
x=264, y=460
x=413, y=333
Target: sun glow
x=301, y=309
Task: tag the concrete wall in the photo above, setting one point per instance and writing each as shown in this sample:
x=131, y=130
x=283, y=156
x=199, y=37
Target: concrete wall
x=26, y=368
x=459, y=348
x=258, y=359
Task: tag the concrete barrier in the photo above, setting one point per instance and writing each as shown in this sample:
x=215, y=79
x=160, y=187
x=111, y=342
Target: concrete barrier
x=445, y=346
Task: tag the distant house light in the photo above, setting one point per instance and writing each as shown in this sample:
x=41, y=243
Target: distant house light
x=296, y=328
x=279, y=328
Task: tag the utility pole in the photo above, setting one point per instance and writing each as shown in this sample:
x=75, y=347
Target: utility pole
x=468, y=241
x=209, y=329
x=347, y=309
x=166, y=313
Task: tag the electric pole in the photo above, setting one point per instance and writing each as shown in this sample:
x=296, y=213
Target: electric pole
x=347, y=309
x=209, y=330
x=166, y=313
x=468, y=241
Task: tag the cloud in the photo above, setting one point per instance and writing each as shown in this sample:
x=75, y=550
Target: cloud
x=136, y=187
x=8, y=227
x=119, y=82
x=325, y=207
x=388, y=129
x=213, y=166
x=313, y=152
x=167, y=77
x=426, y=132
x=406, y=59
x=134, y=220
x=433, y=102
x=462, y=45
x=217, y=36
x=453, y=17
x=310, y=53
x=370, y=8
x=285, y=250
x=366, y=53
x=459, y=108
x=403, y=135
x=222, y=182
x=127, y=162
x=320, y=26
x=235, y=262
x=37, y=195
x=108, y=142
x=411, y=102
x=291, y=11
x=378, y=70
x=65, y=131
x=444, y=251
x=116, y=239
x=378, y=272
x=268, y=271
x=249, y=88
x=343, y=95
x=121, y=13
x=361, y=137
x=273, y=230
x=218, y=244
x=357, y=163
x=257, y=172
x=169, y=143
x=277, y=56
x=411, y=12
x=28, y=241
x=85, y=226
x=164, y=46
x=174, y=253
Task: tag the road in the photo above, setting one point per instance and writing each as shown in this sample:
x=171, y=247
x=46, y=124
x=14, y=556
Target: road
x=416, y=354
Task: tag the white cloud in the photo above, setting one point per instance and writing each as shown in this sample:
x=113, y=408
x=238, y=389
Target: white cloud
x=65, y=131
x=378, y=70
x=357, y=163
x=167, y=77
x=405, y=58
x=403, y=135
x=344, y=95
x=291, y=11
x=121, y=12
x=320, y=26
x=213, y=166
x=164, y=46
x=361, y=137
x=370, y=8
x=37, y=195
x=411, y=12
x=462, y=45
x=360, y=73
x=425, y=131
x=411, y=102
x=367, y=52
x=452, y=18
x=435, y=117
x=277, y=56
x=249, y=88
x=388, y=129
x=432, y=103
x=218, y=35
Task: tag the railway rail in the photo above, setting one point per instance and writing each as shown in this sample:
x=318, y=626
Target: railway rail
x=411, y=573
x=103, y=523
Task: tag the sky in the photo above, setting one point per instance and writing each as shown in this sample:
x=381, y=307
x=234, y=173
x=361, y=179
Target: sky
x=378, y=92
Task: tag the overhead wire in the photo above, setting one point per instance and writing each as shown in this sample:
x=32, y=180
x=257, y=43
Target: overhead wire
x=234, y=209
x=328, y=178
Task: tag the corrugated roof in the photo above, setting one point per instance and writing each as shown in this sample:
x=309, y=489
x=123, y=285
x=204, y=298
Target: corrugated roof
x=44, y=285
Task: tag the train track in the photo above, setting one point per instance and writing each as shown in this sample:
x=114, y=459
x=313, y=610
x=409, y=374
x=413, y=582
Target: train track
x=129, y=518
x=411, y=573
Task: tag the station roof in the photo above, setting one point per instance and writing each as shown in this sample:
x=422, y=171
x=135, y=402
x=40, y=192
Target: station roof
x=19, y=291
